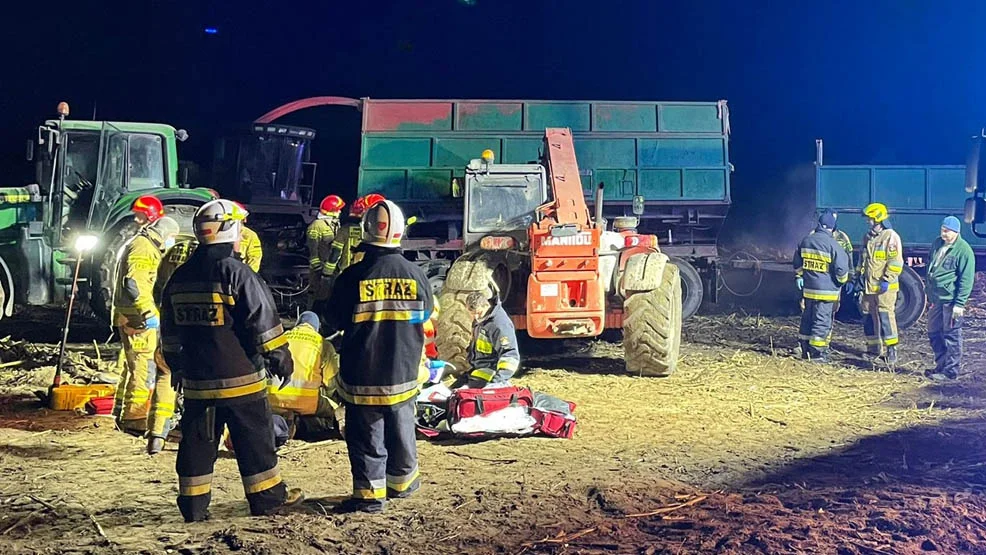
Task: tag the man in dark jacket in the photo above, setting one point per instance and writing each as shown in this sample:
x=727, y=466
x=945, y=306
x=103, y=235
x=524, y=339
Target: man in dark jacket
x=219, y=329
x=951, y=274
x=821, y=268
x=380, y=305
x=493, y=354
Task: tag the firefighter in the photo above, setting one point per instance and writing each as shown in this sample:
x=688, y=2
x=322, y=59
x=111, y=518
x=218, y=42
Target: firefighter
x=250, y=251
x=222, y=337
x=880, y=266
x=137, y=319
x=321, y=234
x=951, y=275
x=147, y=209
x=821, y=268
x=380, y=305
x=344, y=252
x=845, y=242
x=493, y=355
x=311, y=391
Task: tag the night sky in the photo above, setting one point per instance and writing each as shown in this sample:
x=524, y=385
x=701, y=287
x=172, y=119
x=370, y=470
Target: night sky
x=881, y=82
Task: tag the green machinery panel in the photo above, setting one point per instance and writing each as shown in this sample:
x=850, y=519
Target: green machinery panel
x=666, y=151
x=918, y=198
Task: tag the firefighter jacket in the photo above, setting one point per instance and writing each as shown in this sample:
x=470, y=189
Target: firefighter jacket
x=251, y=251
x=823, y=264
x=321, y=234
x=380, y=305
x=845, y=242
x=882, y=260
x=172, y=259
x=315, y=367
x=133, y=300
x=343, y=253
x=951, y=272
x=219, y=325
x=493, y=355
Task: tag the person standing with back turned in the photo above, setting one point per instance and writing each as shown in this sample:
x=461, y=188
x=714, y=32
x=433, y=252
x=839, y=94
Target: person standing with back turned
x=380, y=304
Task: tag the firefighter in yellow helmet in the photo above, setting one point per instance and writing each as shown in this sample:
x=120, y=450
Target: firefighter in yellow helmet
x=222, y=338
x=137, y=319
x=250, y=251
x=321, y=234
x=380, y=305
x=880, y=266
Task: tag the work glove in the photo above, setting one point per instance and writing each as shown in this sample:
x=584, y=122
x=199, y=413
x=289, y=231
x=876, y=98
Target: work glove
x=848, y=288
x=176, y=381
x=884, y=286
x=957, y=312
x=152, y=323
x=281, y=366
x=436, y=368
x=800, y=282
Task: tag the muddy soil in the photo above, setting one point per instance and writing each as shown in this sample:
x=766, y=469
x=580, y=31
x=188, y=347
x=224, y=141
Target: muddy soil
x=744, y=450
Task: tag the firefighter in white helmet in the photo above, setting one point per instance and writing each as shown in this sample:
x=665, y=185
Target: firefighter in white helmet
x=222, y=337
x=381, y=305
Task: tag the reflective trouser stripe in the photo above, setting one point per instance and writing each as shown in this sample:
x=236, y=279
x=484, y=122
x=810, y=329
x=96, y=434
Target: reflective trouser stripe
x=402, y=483
x=261, y=481
x=194, y=485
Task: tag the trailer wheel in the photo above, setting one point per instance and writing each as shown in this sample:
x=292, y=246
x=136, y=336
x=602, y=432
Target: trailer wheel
x=652, y=324
x=911, y=299
x=692, y=291
x=454, y=330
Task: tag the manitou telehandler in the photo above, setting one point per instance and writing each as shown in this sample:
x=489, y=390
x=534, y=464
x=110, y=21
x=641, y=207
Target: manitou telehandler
x=559, y=272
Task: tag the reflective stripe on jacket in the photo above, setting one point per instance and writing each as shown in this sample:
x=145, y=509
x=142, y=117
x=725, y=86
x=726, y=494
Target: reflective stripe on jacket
x=882, y=260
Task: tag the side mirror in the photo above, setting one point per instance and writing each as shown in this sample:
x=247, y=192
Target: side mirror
x=30, y=151
x=181, y=135
x=456, y=188
x=638, y=205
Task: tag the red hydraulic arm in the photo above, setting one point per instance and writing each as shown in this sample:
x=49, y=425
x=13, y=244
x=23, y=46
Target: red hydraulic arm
x=563, y=172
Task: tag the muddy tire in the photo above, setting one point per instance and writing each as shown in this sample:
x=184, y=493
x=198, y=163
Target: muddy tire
x=911, y=299
x=692, y=290
x=652, y=324
x=454, y=330
x=102, y=279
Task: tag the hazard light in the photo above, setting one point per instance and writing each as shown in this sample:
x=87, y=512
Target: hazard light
x=496, y=243
x=631, y=241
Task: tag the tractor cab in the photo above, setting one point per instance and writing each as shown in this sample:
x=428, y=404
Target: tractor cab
x=502, y=202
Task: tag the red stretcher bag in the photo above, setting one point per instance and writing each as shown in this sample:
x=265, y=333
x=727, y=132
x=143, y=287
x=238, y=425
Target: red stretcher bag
x=554, y=424
x=466, y=403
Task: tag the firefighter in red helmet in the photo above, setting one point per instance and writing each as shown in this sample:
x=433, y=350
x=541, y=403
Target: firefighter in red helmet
x=147, y=210
x=321, y=234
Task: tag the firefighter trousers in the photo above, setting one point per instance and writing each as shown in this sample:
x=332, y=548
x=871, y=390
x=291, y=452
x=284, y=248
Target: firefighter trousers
x=251, y=430
x=816, y=328
x=946, y=339
x=161, y=417
x=133, y=394
x=880, y=321
x=382, y=451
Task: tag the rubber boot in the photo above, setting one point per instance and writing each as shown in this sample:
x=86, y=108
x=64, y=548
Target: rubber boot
x=892, y=355
x=155, y=445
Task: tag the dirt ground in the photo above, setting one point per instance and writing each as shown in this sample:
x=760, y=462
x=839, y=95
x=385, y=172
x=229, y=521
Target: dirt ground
x=744, y=450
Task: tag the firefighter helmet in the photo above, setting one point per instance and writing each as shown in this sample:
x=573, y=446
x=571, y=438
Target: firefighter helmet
x=876, y=211
x=363, y=204
x=218, y=221
x=164, y=228
x=383, y=225
x=148, y=206
x=331, y=206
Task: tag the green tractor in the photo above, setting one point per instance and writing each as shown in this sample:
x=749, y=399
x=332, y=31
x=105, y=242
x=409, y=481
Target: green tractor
x=88, y=175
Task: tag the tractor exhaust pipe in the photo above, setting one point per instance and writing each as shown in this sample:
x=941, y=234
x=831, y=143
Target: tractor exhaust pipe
x=599, y=207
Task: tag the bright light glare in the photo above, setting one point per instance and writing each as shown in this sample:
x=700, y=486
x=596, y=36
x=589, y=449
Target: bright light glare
x=211, y=31
x=85, y=243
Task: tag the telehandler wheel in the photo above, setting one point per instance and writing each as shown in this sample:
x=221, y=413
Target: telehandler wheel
x=454, y=330
x=652, y=326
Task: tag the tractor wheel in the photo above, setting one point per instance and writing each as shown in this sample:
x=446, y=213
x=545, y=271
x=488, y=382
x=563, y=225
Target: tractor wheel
x=652, y=325
x=911, y=299
x=692, y=290
x=102, y=279
x=454, y=330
